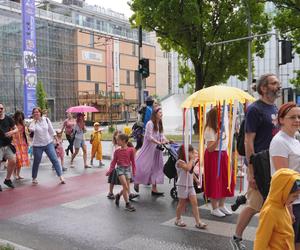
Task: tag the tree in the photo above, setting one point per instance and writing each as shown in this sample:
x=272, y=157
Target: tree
x=187, y=75
x=287, y=21
x=190, y=26
x=41, y=95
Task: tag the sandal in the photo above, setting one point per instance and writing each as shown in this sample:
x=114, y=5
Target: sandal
x=201, y=225
x=179, y=223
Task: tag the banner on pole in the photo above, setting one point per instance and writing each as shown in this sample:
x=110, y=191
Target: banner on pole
x=29, y=55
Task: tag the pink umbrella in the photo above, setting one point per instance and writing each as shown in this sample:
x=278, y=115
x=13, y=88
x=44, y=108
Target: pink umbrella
x=82, y=109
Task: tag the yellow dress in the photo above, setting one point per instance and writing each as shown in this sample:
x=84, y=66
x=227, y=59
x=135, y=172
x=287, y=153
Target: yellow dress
x=96, y=145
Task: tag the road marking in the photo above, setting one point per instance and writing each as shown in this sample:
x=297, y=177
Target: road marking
x=138, y=242
x=228, y=205
x=30, y=198
x=214, y=227
x=82, y=203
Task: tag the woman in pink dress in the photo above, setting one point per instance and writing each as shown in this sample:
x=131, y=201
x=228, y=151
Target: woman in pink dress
x=21, y=145
x=149, y=161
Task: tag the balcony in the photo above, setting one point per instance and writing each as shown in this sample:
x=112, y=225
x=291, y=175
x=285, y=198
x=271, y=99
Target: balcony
x=112, y=106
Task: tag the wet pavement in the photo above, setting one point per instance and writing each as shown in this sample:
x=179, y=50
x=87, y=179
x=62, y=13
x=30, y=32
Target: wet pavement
x=78, y=215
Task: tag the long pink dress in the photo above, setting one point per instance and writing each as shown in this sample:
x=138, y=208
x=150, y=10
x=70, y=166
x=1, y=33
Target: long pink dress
x=149, y=161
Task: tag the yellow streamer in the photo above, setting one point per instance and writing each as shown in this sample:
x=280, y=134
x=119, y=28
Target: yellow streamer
x=229, y=146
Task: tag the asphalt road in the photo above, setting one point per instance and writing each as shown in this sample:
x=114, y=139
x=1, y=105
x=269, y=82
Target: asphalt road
x=78, y=215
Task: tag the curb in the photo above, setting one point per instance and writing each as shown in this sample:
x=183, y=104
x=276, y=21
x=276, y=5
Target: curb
x=14, y=245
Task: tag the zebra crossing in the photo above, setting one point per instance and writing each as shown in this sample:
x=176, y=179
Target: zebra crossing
x=217, y=226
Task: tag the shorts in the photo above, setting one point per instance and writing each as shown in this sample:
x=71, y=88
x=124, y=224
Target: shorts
x=296, y=225
x=78, y=143
x=254, y=199
x=184, y=193
x=124, y=171
x=6, y=153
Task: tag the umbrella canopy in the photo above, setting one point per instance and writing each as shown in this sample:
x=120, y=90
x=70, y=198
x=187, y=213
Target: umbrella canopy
x=214, y=94
x=82, y=109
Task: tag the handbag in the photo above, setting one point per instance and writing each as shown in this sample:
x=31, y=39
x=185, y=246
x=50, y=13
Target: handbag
x=31, y=134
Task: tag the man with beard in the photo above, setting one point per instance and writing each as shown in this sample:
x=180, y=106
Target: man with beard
x=7, y=151
x=260, y=127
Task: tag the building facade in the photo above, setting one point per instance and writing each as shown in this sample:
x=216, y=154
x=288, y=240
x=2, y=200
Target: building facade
x=85, y=55
x=55, y=61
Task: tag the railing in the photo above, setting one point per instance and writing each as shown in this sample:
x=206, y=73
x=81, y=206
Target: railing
x=43, y=14
x=102, y=95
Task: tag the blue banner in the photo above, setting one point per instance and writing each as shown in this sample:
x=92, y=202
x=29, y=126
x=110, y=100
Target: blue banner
x=29, y=55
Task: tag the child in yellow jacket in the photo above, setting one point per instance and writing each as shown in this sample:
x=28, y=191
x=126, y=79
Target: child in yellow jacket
x=95, y=140
x=275, y=230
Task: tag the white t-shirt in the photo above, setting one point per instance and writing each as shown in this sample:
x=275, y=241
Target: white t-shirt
x=288, y=147
x=210, y=135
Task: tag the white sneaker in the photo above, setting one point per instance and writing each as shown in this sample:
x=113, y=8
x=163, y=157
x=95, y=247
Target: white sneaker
x=225, y=210
x=217, y=212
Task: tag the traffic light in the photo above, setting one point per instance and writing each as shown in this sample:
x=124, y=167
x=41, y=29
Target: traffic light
x=286, y=52
x=144, y=67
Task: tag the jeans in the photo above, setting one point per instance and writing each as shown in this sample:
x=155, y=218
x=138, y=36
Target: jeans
x=37, y=157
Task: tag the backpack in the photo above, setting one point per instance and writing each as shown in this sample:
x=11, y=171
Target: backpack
x=262, y=171
x=142, y=112
x=169, y=168
x=240, y=140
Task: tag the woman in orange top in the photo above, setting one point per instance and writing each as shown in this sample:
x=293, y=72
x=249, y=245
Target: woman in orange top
x=21, y=144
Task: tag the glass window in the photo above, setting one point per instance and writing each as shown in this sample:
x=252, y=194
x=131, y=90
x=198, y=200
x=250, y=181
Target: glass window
x=88, y=72
x=97, y=88
x=128, y=77
x=92, y=42
x=136, y=78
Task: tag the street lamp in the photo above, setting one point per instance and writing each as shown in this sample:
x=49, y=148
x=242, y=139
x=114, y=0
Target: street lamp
x=16, y=72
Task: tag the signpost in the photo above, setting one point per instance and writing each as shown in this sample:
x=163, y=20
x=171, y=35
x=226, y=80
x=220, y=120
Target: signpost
x=29, y=55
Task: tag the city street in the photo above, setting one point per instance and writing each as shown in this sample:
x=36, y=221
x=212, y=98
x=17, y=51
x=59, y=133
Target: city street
x=79, y=216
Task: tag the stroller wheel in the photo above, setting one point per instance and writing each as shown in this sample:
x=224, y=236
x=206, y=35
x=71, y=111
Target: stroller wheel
x=173, y=193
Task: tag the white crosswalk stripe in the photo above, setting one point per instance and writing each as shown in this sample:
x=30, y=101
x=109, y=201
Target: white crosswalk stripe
x=215, y=226
x=238, y=211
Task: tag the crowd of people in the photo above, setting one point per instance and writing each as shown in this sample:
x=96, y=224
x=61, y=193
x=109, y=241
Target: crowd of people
x=267, y=129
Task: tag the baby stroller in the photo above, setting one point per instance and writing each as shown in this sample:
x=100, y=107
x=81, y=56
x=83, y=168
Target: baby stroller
x=171, y=172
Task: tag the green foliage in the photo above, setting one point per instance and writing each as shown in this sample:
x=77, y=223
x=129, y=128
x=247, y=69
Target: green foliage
x=189, y=26
x=41, y=95
x=287, y=21
x=187, y=76
x=111, y=129
x=6, y=247
x=296, y=81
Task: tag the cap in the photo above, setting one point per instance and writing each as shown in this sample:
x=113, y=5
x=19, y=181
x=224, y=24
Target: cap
x=296, y=186
x=96, y=124
x=149, y=99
